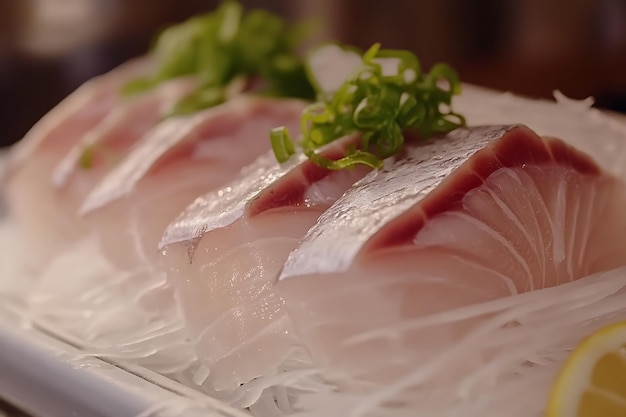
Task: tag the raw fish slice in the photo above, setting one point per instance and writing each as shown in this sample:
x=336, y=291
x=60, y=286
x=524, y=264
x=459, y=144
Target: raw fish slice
x=123, y=243
x=587, y=129
x=520, y=214
x=105, y=146
x=178, y=161
x=32, y=202
x=111, y=138
x=79, y=112
x=407, y=180
x=224, y=251
x=222, y=207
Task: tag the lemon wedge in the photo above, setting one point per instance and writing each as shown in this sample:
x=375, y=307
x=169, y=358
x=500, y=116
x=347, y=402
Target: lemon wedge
x=593, y=381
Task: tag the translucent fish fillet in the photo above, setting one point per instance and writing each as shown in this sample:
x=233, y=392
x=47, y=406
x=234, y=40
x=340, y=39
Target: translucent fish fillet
x=122, y=277
x=76, y=114
x=382, y=195
x=134, y=202
x=104, y=147
x=111, y=138
x=32, y=202
x=223, y=251
x=500, y=212
x=587, y=129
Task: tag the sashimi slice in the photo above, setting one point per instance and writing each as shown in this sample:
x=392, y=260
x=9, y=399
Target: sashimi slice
x=178, y=161
x=224, y=251
x=107, y=142
x=76, y=114
x=121, y=272
x=588, y=129
x=519, y=213
x=30, y=197
x=103, y=147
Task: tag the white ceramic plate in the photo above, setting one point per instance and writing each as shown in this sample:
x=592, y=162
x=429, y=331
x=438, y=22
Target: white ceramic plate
x=48, y=377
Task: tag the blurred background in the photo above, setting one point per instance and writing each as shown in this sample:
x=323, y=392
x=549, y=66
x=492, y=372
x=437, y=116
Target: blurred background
x=531, y=47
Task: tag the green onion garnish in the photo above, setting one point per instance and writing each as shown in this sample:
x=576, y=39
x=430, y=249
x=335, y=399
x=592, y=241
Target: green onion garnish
x=86, y=160
x=220, y=48
x=379, y=94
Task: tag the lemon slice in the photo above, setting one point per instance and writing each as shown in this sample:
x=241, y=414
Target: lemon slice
x=593, y=381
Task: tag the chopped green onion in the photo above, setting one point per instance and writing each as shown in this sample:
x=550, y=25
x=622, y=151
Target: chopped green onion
x=222, y=46
x=95, y=154
x=281, y=143
x=86, y=160
x=382, y=94
x=356, y=157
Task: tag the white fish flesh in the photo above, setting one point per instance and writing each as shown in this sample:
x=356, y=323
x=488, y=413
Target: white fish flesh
x=483, y=213
x=177, y=161
x=32, y=201
x=103, y=147
x=114, y=270
x=223, y=252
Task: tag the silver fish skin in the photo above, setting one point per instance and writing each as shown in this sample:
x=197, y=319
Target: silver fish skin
x=334, y=241
x=148, y=150
x=159, y=141
x=165, y=95
x=83, y=96
x=224, y=206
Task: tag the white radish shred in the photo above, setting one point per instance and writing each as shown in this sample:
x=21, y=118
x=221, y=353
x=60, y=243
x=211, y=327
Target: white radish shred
x=517, y=363
x=103, y=309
